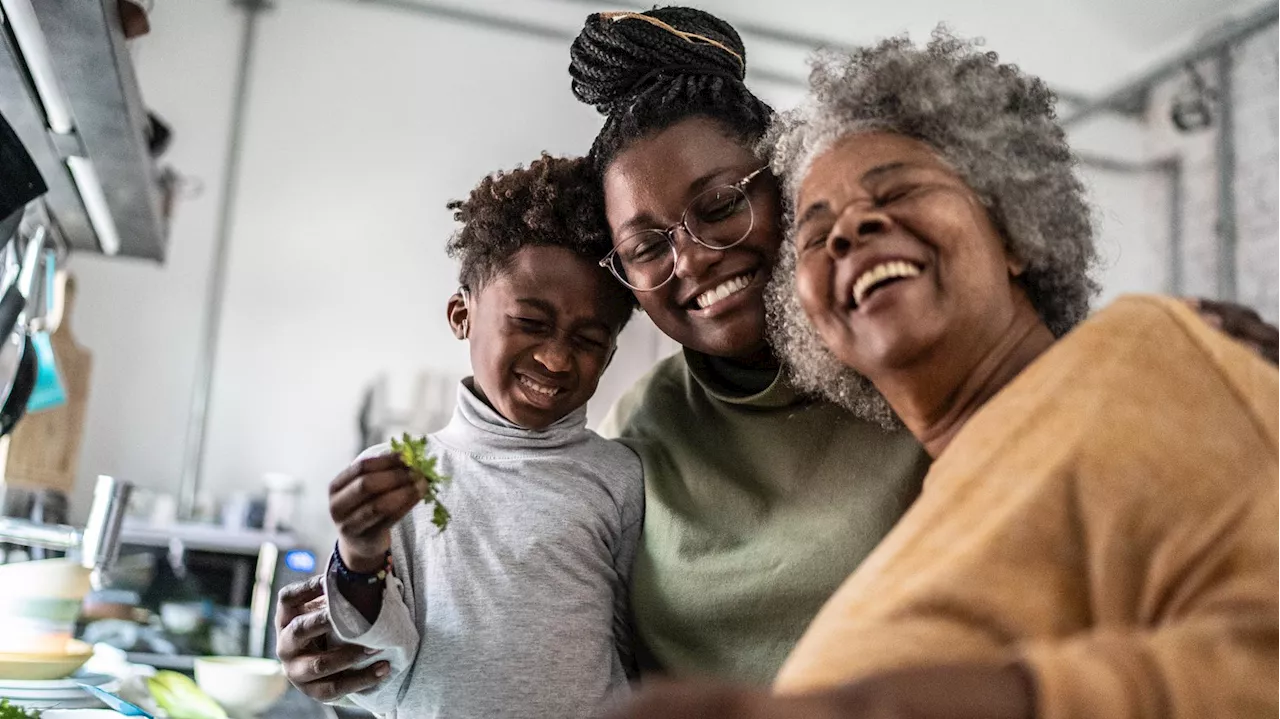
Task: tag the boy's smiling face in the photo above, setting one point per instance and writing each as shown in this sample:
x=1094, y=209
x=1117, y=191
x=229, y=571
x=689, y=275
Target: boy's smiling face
x=541, y=330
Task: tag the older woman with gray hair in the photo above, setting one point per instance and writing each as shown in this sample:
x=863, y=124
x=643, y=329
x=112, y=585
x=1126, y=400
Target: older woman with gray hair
x=1097, y=536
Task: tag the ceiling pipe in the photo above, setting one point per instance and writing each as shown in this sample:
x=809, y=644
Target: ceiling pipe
x=1133, y=93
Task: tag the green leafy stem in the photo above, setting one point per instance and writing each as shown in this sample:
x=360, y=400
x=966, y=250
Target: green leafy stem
x=413, y=453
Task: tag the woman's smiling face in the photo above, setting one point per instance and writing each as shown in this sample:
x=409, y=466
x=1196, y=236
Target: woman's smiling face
x=714, y=303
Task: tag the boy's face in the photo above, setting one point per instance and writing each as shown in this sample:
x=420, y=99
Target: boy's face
x=541, y=334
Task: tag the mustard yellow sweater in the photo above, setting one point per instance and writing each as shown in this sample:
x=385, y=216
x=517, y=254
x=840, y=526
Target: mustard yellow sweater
x=1109, y=518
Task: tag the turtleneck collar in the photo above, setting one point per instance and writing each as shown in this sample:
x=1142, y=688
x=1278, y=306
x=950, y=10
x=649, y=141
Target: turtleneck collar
x=729, y=389
x=476, y=428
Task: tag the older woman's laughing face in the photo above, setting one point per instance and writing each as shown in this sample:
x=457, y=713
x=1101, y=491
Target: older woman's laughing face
x=897, y=258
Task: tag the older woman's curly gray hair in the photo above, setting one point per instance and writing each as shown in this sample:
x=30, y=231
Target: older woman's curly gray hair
x=994, y=124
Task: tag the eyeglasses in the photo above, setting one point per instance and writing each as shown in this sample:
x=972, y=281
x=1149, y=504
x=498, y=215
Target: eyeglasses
x=718, y=219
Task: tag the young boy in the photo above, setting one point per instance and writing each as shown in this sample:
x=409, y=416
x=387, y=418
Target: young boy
x=518, y=608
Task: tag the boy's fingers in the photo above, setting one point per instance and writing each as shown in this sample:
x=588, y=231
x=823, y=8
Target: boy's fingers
x=364, y=489
x=306, y=627
x=294, y=599
x=397, y=513
x=345, y=682
x=388, y=507
x=367, y=465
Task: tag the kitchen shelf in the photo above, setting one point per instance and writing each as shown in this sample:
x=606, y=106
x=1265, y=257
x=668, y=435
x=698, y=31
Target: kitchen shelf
x=85, y=50
x=204, y=537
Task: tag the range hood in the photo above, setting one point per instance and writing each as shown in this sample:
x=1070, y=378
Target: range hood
x=68, y=88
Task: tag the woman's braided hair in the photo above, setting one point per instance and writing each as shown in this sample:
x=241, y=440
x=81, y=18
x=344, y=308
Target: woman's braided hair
x=648, y=71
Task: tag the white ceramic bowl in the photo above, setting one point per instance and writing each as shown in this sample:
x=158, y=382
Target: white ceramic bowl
x=39, y=603
x=244, y=686
x=181, y=617
x=63, y=578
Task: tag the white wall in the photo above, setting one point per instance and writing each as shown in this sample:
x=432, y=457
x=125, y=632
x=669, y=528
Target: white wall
x=141, y=320
x=1125, y=217
x=362, y=123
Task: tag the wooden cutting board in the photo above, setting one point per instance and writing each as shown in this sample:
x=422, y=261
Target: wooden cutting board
x=44, y=448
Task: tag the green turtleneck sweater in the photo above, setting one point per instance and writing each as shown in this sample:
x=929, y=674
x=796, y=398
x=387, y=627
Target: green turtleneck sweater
x=758, y=504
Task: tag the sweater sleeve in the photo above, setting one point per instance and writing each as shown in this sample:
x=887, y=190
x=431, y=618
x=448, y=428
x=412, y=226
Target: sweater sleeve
x=394, y=634
x=623, y=632
x=630, y=522
x=1212, y=653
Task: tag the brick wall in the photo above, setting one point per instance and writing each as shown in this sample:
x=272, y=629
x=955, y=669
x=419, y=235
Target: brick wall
x=1256, y=187
x=1254, y=80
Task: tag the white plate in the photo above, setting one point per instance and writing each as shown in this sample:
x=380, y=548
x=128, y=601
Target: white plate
x=60, y=693
x=83, y=701
x=50, y=695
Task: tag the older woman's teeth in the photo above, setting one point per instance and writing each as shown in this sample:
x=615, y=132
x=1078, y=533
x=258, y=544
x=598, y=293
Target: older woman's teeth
x=726, y=288
x=541, y=389
x=894, y=270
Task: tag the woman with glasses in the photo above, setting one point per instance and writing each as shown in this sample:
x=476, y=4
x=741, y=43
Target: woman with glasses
x=759, y=501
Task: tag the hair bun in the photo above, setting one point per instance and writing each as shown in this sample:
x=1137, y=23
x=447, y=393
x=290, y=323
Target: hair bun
x=616, y=57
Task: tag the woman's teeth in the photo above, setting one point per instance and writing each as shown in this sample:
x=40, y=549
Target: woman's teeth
x=894, y=270
x=541, y=389
x=726, y=288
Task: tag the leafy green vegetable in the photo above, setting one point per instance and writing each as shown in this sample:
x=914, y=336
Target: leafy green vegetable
x=413, y=452
x=13, y=711
x=182, y=698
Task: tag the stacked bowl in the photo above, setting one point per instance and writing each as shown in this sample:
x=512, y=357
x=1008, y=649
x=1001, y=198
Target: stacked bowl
x=39, y=604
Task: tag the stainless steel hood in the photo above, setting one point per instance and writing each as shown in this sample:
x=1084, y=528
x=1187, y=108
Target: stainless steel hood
x=68, y=88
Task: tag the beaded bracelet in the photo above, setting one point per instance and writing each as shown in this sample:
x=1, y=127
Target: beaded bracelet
x=346, y=574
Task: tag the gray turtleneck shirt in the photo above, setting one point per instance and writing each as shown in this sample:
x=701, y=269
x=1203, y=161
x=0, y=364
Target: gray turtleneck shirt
x=519, y=608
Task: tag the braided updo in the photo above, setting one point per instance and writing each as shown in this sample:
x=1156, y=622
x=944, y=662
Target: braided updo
x=645, y=78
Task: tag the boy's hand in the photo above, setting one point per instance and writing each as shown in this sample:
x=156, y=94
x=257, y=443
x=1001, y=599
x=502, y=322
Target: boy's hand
x=320, y=669
x=365, y=500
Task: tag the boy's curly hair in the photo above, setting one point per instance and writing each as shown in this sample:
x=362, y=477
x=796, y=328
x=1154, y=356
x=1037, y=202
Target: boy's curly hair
x=556, y=201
